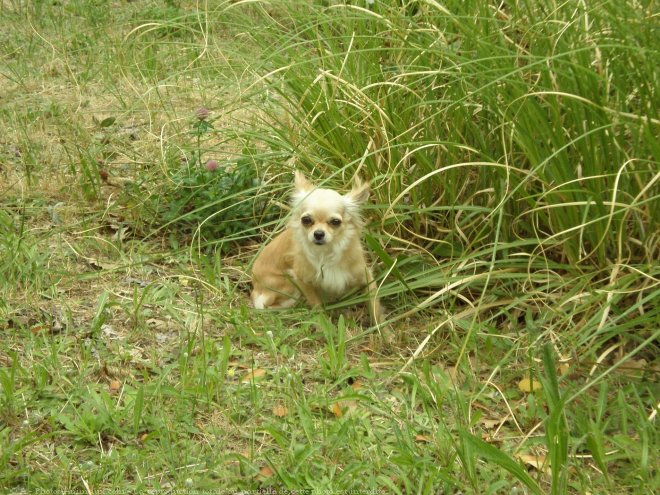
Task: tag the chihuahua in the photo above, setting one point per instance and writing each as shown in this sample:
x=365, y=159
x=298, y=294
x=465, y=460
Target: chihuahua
x=319, y=255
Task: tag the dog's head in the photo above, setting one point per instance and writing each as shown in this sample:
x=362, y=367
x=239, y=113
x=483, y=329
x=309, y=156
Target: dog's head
x=325, y=218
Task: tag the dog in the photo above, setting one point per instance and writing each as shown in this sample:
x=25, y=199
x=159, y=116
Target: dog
x=319, y=255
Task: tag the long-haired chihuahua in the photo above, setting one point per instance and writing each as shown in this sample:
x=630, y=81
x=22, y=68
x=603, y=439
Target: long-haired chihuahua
x=319, y=255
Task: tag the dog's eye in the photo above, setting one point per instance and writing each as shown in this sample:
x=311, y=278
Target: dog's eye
x=306, y=221
x=335, y=222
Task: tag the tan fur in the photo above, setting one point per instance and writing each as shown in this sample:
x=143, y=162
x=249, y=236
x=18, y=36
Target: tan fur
x=319, y=255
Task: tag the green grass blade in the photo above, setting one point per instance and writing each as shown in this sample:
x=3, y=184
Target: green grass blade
x=492, y=454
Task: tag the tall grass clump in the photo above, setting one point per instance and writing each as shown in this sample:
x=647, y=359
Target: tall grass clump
x=519, y=142
x=513, y=154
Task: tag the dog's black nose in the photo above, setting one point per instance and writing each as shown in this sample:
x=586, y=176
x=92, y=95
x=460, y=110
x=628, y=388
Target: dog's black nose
x=319, y=235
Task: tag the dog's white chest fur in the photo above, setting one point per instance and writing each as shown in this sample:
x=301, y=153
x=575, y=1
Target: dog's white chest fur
x=333, y=281
x=331, y=277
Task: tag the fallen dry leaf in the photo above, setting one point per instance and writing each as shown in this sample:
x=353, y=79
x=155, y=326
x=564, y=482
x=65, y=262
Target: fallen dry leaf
x=489, y=423
x=635, y=367
x=535, y=461
x=254, y=374
x=343, y=407
x=280, y=411
x=455, y=376
x=422, y=438
x=266, y=472
x=636, y=364
x=527, y=385
x=102, y=265
x=157, y=324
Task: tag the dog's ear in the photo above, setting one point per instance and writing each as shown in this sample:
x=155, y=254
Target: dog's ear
x=301, y=183
x=360, y=192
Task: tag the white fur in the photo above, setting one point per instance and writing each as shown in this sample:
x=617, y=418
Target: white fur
x=259, y=301
x=262, y=301
x=333, y=280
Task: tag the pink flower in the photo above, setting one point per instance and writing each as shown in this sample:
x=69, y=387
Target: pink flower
x=202, y=113
x=212, y=165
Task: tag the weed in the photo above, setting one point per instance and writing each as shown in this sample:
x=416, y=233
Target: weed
x=214, y=200
x=22, y=260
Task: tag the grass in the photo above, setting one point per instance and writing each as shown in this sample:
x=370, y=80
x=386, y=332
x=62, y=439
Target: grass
x=513, y=156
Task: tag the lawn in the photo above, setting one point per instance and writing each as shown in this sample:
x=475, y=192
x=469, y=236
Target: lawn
x=147, y=151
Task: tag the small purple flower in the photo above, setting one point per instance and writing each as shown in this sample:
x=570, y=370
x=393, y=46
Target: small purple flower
x=212, y=165
x=202, y=113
